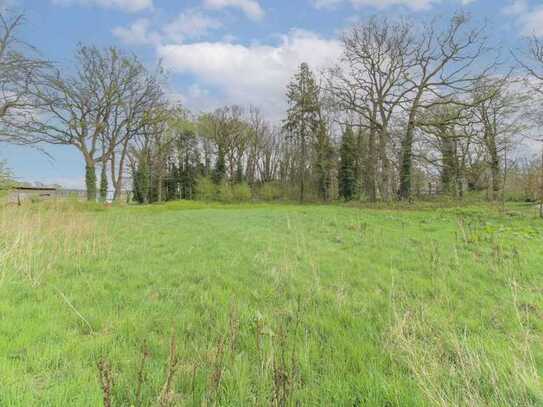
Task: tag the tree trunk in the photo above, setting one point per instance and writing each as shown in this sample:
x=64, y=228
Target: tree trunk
x=371, y=186
x=385, y=165
x=103, y=182
x=90, y=179
x=495, y=175
x=361, y=157
x=449, y=171
x=407, y=153
x=159, y=189
x=302, y=170
x=118, y=183
x=494, y=163
x=406, y=164
x=460, y=177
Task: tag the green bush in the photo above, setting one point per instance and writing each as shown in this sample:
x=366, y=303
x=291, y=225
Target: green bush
x=241, y=192
x=271, y=191
x=224, y=193
x=206, y=190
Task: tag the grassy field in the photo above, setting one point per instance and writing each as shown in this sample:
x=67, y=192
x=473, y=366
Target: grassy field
x=194, y=304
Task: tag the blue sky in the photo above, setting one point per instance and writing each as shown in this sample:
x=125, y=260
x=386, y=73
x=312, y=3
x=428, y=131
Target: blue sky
x=225, y=51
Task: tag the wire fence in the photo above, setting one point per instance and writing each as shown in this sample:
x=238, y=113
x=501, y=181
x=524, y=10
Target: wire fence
x=19, y=195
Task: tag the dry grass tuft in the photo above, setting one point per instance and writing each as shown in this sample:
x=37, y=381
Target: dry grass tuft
x=454, y=368
x=35, y=237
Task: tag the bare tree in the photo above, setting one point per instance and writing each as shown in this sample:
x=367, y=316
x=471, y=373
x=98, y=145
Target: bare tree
x=95, y=110
x=257, y=131
x=497, y=111
x=533, y=65
x=370, y=82
x=147, y=155
x=227, y=129
x=20, y=72
x=140, y=105
x=447, y=128
x=440, y=65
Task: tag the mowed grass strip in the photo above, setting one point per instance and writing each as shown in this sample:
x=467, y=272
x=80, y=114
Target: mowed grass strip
x=270, y=304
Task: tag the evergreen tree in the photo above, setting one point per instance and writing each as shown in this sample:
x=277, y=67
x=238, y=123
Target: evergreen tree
x=219, y=171
x=90, y=182
x=347, y=180
x=303, y=116
x=142, y=180
x=103, y=183
x=324, y=161
x=172, y=183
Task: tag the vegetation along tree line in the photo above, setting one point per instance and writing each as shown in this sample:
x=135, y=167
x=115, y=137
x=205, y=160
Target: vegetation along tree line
x=409, y=109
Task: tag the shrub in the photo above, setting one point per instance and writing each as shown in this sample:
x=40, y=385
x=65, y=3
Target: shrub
x=241, y=192
x=206, y=190
x=224, y=193
x=271, y=191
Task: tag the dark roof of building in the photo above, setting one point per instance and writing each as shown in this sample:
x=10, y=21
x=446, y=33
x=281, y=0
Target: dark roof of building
x=35, y=189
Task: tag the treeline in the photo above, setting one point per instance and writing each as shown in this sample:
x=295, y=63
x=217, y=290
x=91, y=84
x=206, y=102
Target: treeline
x=409, y=110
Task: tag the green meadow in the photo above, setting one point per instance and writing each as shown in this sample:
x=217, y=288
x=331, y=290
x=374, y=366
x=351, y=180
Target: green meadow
x=190, y=304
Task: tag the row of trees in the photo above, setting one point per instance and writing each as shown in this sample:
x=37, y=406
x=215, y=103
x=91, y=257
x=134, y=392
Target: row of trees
x=408, y=109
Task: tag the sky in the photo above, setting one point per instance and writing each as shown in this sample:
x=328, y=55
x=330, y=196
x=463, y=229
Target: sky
x=219, y=52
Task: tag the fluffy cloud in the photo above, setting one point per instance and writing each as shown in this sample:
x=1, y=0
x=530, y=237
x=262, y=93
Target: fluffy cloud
x=251, y=8
x=130, y=6
x=532, y=22
x=137, y=33
x=251, y=74
x=187, y=25
x=190, y=24
x=412, y=4
x=516, y=7
x=529, y=19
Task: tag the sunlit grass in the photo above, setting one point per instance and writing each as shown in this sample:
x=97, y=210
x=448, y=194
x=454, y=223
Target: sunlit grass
x=271, y=304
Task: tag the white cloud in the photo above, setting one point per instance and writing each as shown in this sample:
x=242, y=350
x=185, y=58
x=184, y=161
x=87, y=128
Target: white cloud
x=198, y=98
x=137, y=33
x=412, y=4
x=189, y=24
x=532, y=22
x=251, y=8
x=130, y=6
x=254, y=74
x=516, y=7
x=529, y=20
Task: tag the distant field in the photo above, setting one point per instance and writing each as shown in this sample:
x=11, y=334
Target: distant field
x=270, y=305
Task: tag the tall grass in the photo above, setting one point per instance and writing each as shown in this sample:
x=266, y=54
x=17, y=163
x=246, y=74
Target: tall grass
x=36, y=236
x=212, y=304
x=455, y=369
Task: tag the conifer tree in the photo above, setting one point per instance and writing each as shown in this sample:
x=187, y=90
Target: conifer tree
x=142, y=181
x=303, y=116
x=324, y=161
x=90, y=182
x=219, y=171
x=103, y=183
x=172, y=183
